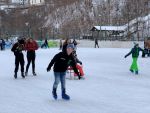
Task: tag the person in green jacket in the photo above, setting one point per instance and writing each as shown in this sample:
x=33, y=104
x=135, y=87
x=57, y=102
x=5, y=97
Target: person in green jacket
x=135, y=54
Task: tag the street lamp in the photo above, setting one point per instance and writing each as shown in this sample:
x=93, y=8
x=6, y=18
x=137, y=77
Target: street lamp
x=28, y=28
x=100, y=24
x=41, y=33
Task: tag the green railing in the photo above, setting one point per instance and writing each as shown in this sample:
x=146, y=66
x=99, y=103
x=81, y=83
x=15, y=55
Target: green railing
x=51, y=43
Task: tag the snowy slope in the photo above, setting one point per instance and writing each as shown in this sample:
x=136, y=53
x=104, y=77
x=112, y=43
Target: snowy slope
x=108, y=88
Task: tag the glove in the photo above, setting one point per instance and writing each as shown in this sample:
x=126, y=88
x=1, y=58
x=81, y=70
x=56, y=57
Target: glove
x=48, y=69
x=80, y=63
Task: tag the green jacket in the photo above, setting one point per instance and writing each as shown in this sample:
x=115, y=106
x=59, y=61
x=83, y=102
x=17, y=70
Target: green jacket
x=135, y=52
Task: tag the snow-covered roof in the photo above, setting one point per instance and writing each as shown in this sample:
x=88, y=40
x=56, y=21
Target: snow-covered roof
x=109, y=28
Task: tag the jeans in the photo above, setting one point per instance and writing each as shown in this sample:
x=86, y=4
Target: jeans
x=59, y=77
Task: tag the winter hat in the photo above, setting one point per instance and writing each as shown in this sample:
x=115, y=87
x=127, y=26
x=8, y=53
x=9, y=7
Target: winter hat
x=21, y=40
x=70, y=46
x=136, y=44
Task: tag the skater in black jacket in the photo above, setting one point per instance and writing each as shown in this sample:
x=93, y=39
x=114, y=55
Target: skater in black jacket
x=17, y=48
x=60, y=62
x=96, y=43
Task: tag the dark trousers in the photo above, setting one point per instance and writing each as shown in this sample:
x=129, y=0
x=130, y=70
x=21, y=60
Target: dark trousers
x=146, y=52
x=19, y=59
x=1, y=47
x=96, y=44
x=30, y=58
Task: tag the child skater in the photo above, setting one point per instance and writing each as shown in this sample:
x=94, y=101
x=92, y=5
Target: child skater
x=135, y=54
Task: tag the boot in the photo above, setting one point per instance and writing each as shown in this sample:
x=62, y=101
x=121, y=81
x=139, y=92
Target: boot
x=131, y=70
x=64, y=95
x=54, y=93
x=22, y=74
x=34, y=74
x=15, y=75
x=136, y=72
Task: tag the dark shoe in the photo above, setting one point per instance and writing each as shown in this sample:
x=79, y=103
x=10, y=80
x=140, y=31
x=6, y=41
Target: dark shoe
x=64, y=95
x=136, y=72
x=82, y=78
x=34, y=74
x=54, y=94
x=22, y=74
x=15, y=75
x=131, y=70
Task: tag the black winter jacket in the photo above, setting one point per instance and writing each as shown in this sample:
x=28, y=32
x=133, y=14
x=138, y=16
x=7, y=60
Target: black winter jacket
x=61, y=61
x=17, y=48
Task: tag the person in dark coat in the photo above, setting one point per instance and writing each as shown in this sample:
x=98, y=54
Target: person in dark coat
x=31, y=45
x=45, y=44
x=135, y=54
x=66, y=42
x=61, y=62
x=96, y=43
x=17, y=48
x=1, y=48
x=60, y=44
x=78, y=66
x=75, y=44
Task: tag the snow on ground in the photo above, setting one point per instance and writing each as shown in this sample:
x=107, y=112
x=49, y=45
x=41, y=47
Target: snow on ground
x=109, y=87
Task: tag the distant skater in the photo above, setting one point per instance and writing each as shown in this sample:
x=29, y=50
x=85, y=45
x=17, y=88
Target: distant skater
x=135, y=54
x=96, y=43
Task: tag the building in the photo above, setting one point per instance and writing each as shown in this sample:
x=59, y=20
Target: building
x=28, y=2
x=108, y=32
x=34, y=2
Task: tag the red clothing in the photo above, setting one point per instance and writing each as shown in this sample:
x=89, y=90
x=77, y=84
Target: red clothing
x=80, y=69
x=31, y=46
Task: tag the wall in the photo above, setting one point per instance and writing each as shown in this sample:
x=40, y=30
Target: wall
x=109, y=44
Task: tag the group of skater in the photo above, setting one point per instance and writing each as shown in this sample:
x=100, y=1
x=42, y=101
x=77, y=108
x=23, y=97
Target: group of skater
x=66, y=59
x=29, y=45
x=60, y=62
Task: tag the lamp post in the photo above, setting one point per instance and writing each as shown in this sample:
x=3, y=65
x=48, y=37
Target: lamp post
x=100, y=25
x=41, y=31
x=28, y=28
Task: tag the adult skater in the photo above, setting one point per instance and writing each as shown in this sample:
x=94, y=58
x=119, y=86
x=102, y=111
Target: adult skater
x=60, y=44
x=135, y=54
x=1, y=48
x=17, y=48
x=31, y=45
x=60, y=62
x=45, y=44
x=75, y=44
x=96, y=43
